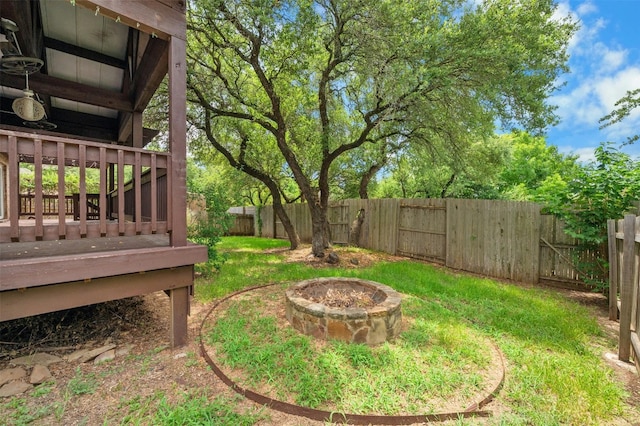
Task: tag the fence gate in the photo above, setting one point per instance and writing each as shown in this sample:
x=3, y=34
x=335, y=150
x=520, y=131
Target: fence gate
x=339, y=222
x=422, y=229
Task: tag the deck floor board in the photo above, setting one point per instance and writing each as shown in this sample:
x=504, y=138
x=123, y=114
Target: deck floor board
x=35, y=249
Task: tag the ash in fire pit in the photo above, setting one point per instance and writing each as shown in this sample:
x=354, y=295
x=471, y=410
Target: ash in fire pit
x=336, y=298
x=347, y=309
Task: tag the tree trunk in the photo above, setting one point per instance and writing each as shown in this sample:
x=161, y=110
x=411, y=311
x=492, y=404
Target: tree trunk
x=366, y=179
x=356, y=229
x=447, y=185
x=321, y=233
x=294, y=238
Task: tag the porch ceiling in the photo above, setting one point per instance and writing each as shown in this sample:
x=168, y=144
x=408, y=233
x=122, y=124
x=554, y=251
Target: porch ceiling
x=97, y=71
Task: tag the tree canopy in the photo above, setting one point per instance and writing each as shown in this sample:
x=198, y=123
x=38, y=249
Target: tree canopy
x=304, y=88
x=623, y=108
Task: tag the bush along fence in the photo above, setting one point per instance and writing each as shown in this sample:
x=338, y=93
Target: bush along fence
x=500, y=239
x=624, y=284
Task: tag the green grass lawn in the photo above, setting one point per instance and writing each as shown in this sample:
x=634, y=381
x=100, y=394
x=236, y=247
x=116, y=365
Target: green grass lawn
x=555, y=373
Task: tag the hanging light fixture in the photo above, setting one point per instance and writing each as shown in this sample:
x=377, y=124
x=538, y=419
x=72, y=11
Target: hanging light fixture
x=27, y=107
x=12, y=61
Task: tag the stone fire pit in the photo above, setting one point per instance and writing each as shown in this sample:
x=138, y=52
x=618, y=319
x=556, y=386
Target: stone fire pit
x=347, y=309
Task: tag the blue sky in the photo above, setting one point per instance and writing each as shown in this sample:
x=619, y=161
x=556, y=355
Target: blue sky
x=605, y=63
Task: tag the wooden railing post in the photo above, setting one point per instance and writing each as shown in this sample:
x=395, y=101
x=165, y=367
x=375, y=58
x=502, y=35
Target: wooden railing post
x=626, y=287
x=62, y=200
x=14, y=188
x=613, y=270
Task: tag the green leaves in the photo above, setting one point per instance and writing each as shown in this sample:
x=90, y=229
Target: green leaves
x=601, y=190
x=624, y=107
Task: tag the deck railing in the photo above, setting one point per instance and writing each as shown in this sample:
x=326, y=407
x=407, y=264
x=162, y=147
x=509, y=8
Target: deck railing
x=116, y=164
x=49, y=205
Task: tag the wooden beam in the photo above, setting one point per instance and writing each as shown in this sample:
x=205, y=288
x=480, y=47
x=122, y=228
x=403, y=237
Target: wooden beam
x=148, y=76
x=24, y=273
x=152, y=17
x=179, y=5
x=23, y=13
x=53, y=86
x=50, y=298
x=179, y=312
x=137, y=130
x=178, y=140
x=81, y=52
x=83, y=124
x=88, y=120
x=150, y=72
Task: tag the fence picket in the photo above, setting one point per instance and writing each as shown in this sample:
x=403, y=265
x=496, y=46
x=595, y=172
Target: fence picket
x=494, y=238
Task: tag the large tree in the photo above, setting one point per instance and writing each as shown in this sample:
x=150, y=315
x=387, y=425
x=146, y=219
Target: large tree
x=317, y=80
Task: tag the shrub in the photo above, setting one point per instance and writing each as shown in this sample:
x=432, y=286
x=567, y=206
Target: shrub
x=604, y=189
x=207, y=229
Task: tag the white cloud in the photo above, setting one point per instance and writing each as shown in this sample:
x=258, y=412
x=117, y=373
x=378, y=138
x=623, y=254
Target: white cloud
x=614, y=87
x=586, y=8
x=562, y=11
x=612, y=59
x=583, y=39
x=585, y=154
x=580, y=106
x=595, y=97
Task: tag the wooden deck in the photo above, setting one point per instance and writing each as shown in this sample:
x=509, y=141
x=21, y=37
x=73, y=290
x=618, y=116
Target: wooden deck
x=46, y=276
x=35, y=249
x=129, y=233
x=31, y=264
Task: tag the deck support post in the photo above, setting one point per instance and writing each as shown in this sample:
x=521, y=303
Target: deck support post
x=179, y=311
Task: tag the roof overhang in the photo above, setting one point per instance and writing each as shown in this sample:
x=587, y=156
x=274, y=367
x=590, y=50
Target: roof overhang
x=101, y=68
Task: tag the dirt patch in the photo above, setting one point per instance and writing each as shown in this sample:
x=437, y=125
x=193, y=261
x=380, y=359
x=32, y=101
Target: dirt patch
x=349, y=257
x=81, y=327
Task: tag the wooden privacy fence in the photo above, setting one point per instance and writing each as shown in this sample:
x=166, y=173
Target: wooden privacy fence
x=501, y=239
x=624, y=284
x=243, y=220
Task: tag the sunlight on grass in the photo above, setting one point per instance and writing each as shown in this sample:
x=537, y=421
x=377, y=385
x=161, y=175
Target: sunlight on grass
x=555, y=373
x=386, y=379
x=202, y=410
x=253, y=244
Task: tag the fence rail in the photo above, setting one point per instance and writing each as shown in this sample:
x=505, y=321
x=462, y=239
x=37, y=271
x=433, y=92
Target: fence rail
x=624, y=284
x=502, y=239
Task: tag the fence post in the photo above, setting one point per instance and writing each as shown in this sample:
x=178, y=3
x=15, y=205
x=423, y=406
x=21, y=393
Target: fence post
x=626, y=287
x=613, y=270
